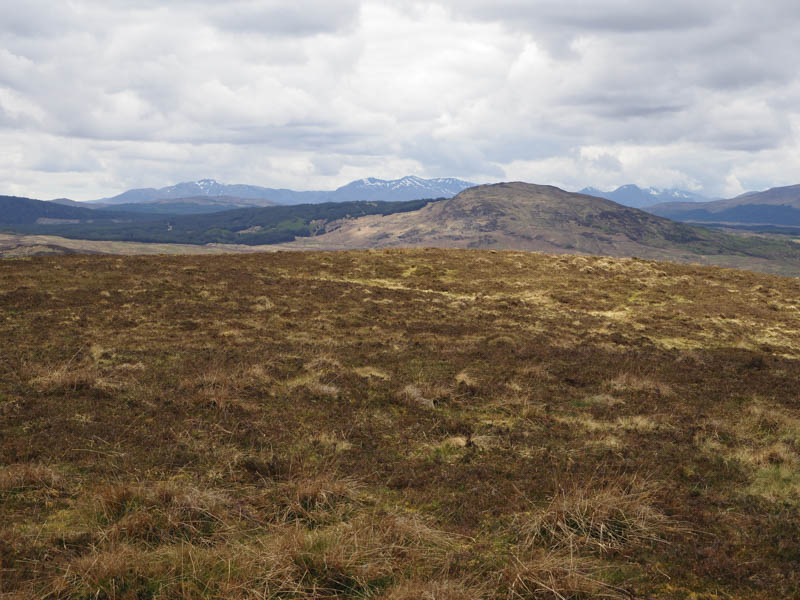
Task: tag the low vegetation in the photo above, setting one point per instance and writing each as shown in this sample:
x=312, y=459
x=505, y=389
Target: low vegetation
x=399, y=424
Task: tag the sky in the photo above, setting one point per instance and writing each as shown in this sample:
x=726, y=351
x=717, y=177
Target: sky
x=100, y=96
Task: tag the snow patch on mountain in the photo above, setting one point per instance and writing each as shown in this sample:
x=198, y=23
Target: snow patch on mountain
x=410, y=187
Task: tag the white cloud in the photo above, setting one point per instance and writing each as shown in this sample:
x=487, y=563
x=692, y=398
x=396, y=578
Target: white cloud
x=96, y=97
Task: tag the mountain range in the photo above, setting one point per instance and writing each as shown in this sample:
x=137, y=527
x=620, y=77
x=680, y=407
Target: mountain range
x=633, y=195
x=778, y=206
x=238, y=195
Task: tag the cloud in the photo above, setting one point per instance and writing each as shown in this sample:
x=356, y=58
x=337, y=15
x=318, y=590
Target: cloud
x=608, y=15
x=283, y=18
x=98, y=96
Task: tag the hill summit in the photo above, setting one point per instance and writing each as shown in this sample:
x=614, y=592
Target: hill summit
x=516, y=215
x=525, y=216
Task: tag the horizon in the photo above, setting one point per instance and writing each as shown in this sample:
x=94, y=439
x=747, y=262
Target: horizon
x=701, y=97
x=571, y=189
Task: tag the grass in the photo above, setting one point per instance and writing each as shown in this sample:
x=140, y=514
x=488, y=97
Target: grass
x=601, y=518
x=397, y=424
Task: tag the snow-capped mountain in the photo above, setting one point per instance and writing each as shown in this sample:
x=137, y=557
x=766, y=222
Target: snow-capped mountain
x=636, y=197
x=209, y=188
x=407, y=188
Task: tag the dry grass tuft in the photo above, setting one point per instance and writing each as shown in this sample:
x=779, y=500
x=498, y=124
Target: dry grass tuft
x=414, y=395
x=361, y=556
x=160, y=513
x=66, y=378
x=262, y=303
x=604, y=400
x=324, y=364
x=639, y=423
x=257, y=374
x=556, y=575
x=466, y=380
x=26, y=476
x=433, y=590
x=372, y=372
x=324, y=389
x=639, y=383
x=319, y=501
x=602, y=519
x=332, y=442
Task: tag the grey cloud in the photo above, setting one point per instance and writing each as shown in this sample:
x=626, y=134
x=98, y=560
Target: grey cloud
x=746, y=136
x=279, y=17
x=327, y=164
x=590, y=15
x=607, y=162
x=621, y=105
x=36, y=18
x=56, y=161
x=305, y=94
x=10, y=120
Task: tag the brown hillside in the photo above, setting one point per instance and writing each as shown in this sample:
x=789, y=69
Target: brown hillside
x=524, y=216
x=519, y=216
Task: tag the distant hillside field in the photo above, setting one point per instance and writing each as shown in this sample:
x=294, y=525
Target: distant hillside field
x=397, y=424
x=16, y=211
x=18, y=246
x=251, y=226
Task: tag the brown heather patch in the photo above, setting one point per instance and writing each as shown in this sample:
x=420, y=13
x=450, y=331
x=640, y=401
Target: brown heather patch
x=397, y=424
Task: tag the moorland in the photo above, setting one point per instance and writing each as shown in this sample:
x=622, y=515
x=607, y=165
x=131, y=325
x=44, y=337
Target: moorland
x=446, y=424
